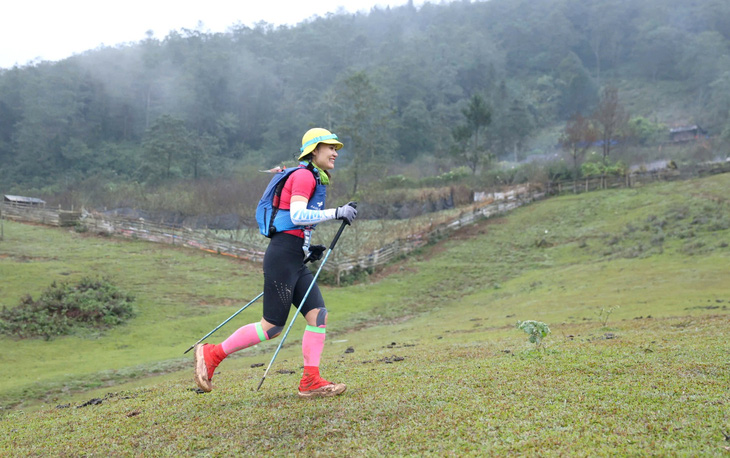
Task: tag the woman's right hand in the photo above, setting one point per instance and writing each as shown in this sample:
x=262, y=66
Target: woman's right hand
x=347, y=213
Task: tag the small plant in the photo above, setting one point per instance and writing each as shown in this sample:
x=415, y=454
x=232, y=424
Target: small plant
x=536, y=330
x=604, y=313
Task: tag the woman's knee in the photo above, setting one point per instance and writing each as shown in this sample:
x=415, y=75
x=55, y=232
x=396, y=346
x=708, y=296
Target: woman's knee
x=272, y=330
x=317, y=317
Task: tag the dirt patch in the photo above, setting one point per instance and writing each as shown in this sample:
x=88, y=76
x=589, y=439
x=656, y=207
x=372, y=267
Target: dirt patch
x=24, y=259
x=393, y=268
x=216, y=302
x=386, y=360
x=711, y=197
x=473, y=230
x=463, y=233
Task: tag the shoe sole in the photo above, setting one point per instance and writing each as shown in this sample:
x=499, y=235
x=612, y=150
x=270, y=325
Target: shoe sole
x=338, y=388
x=201, y=370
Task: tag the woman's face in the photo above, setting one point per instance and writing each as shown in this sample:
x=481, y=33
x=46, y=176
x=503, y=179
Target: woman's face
x=324, y=156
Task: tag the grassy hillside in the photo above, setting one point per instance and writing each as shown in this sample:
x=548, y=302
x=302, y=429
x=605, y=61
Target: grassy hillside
x=633, y=284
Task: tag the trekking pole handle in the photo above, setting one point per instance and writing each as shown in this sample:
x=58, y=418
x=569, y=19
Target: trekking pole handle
x=342, y=228
x=337, y=237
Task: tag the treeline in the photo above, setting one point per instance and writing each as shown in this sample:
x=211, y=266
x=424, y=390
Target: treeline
x=396, y=84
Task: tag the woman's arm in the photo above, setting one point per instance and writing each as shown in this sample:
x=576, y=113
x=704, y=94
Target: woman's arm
x=302, y=216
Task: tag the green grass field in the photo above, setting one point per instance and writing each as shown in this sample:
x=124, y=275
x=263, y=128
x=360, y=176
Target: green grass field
x=633, y=284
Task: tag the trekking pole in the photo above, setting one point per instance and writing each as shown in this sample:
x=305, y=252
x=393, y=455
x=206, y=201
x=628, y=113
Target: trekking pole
x=221, y=325
x=314, y=280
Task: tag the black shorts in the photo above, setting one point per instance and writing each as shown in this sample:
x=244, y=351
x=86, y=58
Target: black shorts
x=286, y=279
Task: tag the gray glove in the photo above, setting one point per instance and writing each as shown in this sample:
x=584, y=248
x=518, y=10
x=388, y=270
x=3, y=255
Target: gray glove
x=347, y=212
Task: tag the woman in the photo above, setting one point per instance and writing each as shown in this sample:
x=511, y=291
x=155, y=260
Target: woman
x=286, y=278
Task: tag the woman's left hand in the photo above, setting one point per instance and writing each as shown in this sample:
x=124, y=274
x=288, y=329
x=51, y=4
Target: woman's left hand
x=315, y=253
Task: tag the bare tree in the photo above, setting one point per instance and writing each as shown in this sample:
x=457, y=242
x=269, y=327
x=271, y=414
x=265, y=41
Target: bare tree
x=579, y=135
x=610, y=117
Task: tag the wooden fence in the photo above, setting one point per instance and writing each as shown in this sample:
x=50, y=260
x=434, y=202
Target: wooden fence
x=210, y=241
x=338, y=265
x=249, y=245
x=401, y=247
x=159, y=232
x=39, y=215
x=635, y=178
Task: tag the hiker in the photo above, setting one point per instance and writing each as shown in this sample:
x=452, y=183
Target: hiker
x=286, y=277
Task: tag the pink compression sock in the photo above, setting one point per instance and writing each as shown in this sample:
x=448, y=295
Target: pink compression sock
x=312, y=345
x=244, y=337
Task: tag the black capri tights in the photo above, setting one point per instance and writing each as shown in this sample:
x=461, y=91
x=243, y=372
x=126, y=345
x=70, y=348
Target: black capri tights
x=286, y=279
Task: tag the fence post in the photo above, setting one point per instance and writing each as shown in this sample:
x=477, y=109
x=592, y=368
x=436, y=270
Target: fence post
x=2, y=227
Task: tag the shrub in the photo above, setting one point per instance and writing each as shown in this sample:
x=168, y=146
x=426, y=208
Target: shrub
x=64, y=308
x=598, y=168
x=646, y=132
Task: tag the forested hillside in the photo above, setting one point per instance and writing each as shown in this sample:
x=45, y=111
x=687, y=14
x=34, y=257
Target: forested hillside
x=442, y=85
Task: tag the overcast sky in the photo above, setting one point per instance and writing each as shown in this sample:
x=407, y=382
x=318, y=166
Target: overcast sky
x=55, y=29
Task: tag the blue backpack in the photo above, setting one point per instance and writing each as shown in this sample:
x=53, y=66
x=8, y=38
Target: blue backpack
x=267, y=209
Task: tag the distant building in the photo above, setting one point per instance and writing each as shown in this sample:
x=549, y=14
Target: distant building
x=686, y=133
x=24, y=201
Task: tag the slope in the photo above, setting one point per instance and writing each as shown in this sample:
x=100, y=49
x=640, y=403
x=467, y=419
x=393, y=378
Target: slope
x=632, y=283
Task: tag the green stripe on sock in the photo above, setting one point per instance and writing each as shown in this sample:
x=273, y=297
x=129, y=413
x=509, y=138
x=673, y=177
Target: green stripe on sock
x=315, y=329
x=260, y=332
